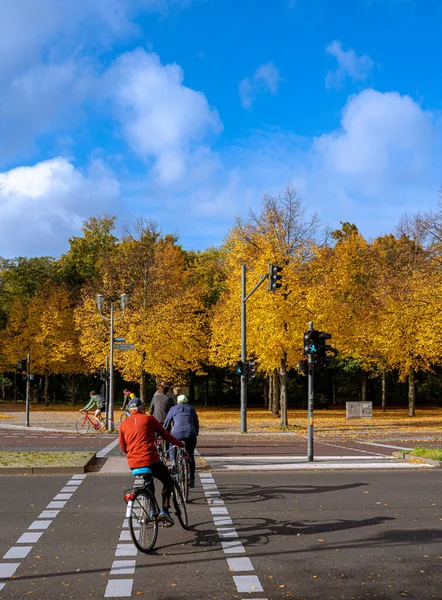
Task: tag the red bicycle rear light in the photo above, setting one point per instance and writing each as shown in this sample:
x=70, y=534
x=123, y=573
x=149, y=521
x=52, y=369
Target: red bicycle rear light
x=129, y=496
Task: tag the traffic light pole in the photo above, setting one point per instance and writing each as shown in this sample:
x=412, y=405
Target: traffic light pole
x=243, y=352
x=311, y=397
x=244, y=299
x=28, y=387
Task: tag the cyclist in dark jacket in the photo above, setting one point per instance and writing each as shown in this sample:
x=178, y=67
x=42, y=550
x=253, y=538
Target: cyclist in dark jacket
x=185, y=428
x=161, y=404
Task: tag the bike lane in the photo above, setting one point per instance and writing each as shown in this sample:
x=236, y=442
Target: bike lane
x=81, y=550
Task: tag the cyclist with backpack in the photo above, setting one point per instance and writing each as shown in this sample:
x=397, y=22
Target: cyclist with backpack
x=99, y=402
x=184, y=422
x=128, y=395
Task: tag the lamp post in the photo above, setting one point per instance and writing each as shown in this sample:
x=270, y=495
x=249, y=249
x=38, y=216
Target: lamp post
x=111, y=319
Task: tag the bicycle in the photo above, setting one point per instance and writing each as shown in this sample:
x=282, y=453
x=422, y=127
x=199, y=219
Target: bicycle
x=181, y=473
x=143, y=511
x=85, y=422
x=124, y=415
x=162, y=449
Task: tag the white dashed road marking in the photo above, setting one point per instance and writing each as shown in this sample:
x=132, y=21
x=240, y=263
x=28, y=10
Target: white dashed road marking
x=244, y=583
x=119, y=588
x=38, y=527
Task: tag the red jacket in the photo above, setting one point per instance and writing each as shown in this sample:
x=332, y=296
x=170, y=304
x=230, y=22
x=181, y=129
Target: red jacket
x=137, y=439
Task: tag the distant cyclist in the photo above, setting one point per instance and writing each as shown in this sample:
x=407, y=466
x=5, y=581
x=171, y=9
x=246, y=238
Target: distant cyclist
x=137, y=441
x=161, y=403
x=186, y=428
x=127, y=395
x=98, y=401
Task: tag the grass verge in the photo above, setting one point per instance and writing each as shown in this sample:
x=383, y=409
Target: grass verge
x=44, y=459
x=432, y=453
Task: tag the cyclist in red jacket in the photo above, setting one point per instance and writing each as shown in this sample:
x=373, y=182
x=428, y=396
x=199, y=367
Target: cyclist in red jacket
x=137, y=441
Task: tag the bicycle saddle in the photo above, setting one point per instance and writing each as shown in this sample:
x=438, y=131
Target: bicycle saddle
x=141, y=471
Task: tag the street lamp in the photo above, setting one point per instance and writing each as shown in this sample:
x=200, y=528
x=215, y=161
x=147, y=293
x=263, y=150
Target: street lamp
x=100, y=305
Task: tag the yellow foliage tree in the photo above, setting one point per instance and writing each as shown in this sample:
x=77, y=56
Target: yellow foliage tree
x=165, y=319
x=275, y=321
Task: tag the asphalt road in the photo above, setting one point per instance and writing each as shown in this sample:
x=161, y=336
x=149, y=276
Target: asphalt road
x=208, y=444
x=304, y=535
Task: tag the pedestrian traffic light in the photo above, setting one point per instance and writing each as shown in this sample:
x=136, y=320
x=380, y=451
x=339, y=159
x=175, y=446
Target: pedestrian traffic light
x=274, y=277
x=311, y=343
x=239, y=368
x=251, y=369
x=22, y=365
x=323, y=359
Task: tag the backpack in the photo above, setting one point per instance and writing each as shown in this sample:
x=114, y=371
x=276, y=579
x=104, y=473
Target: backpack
x=103, y=402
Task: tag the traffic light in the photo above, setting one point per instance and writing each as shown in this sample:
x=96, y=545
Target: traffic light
x=311, y=343
x=22, y=365
x=239, y=369
x=323, y=359
x=274, y=277
x=302, y=366
x=103, y=374
x=251, y=369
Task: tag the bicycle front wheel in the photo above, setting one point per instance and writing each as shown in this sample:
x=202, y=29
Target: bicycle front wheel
x=123, y=417
x=180, y=505
x=82, y=425
x=184, y=478
x=143, y=522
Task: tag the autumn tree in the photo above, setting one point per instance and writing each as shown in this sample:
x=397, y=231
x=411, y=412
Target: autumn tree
x=281, y=233
x=165, y=317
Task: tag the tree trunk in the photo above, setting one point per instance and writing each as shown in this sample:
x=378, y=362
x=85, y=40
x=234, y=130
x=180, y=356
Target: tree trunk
x=143, y=385
x=46, y=390
x=270, y=404
x=283, y=392
x=384, y=391
x=334, y=402
x=192, y=389
x=364, y=386
x=275, y=399
x=143, y=379
x=265, y=391
x=206, y=391
x=411, y=394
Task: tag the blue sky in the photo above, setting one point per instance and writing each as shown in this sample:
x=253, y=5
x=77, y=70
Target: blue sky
x=188, y=111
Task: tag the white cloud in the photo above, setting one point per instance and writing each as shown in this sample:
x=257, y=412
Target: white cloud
x=39, y=100
x=41, y=206
x=383, y=160
x=265, y=79
x=49, y=56
x=162, y=119
x=350, y=65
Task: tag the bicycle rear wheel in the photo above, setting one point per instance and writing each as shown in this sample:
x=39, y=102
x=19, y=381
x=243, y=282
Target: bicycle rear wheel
x=82, y=425
x=180, y=505
x=109, y=426
x=143, y=522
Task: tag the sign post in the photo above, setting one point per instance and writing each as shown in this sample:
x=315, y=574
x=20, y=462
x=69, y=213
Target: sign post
x=28, y=387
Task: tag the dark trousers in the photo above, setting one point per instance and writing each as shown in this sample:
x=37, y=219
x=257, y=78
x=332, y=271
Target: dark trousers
x=190, y=448
x=161, y=472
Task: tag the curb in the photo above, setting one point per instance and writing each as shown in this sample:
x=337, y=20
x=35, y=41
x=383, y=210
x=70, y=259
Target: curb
x=412, y=458
x=56, y=470
x=31, y=428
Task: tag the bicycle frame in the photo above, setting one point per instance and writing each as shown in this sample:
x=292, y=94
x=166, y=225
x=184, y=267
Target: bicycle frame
x=96, y=423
